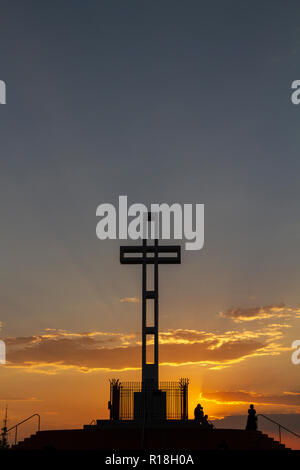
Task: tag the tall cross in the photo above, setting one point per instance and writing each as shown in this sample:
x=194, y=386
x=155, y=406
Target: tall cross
x=144, y=255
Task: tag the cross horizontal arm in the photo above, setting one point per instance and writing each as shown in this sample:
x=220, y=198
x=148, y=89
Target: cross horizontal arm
x=151, y=249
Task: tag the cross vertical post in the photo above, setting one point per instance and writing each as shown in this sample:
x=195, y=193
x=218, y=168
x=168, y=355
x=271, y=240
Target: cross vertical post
x=150, y=370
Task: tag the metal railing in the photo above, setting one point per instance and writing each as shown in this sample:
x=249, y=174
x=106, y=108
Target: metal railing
x=24, y=421
x=126, y=400
x=280, y=426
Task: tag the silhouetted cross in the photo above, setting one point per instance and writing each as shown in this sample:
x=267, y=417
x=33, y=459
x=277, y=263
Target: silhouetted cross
x=150, y=254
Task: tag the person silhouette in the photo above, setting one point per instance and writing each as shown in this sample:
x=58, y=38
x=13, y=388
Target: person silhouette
x=206, y=423
x=198, y=413
x=252, y=419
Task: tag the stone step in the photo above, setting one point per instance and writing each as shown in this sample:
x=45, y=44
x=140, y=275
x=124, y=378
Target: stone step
x=131, y=438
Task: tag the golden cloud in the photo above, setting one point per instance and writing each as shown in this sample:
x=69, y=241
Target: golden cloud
x=129, y=300
x=242, y=397
x=259, y=313
x=6, y=399
x=59, y=349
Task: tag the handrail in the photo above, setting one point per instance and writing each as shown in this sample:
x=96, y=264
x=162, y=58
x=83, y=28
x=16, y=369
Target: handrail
x=24, y=421
x=279, y=426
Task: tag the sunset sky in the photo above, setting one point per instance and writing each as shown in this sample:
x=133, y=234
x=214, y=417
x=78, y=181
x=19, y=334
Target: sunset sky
x=169, y=101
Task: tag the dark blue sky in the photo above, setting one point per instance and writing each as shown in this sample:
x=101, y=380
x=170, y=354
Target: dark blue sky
x=163, y=101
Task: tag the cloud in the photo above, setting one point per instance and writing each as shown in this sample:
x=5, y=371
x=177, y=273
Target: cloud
x=56, y=350
x=129, y=300
x=259, y=313
x=242, y=397
x=6, y=399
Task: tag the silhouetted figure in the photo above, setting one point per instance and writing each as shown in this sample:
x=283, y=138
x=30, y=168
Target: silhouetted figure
x=252, y=419
x=206, y=424
x=198, y=413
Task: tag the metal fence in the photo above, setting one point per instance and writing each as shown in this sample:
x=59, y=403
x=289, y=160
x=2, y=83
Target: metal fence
x=122, y=398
